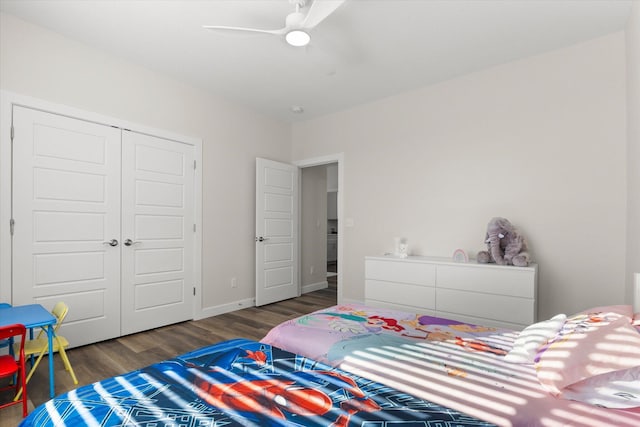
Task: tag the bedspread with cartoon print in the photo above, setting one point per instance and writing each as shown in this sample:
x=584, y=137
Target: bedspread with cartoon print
x=452, y=363
x=331, y=334
x=242, y=383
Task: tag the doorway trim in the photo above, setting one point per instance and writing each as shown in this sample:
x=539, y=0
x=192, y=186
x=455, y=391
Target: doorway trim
x=10, y=99
x=325, y=160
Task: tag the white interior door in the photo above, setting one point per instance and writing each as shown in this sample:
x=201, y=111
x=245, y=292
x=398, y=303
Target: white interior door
x=276, y=231
x=66, y=204
x=157, y=232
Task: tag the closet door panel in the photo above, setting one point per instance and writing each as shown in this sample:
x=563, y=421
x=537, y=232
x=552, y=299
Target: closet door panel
x=158, y=217
x=66, y=203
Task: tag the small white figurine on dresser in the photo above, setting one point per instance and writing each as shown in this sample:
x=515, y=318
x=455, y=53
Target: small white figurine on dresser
x=402, y=247
x=403, y=250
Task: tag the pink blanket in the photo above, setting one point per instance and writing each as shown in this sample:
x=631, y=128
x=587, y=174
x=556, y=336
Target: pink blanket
x=448, y=362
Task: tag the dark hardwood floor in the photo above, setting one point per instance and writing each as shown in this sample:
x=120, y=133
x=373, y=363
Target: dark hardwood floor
x=332, y=280
x=108, y=358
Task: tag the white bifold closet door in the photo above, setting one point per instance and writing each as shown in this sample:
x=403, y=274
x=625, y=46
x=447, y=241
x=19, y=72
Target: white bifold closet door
x=103, y=221
x=157, y=232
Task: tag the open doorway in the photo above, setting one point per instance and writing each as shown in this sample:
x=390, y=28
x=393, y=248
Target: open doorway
x=320, y=225
x=332, y=224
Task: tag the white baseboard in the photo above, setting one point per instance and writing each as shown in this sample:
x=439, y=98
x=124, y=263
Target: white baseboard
x=350, y=301
x=315, y=286
x=225, y=308
x=251, y=302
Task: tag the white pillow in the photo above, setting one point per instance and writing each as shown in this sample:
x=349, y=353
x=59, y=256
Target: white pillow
x=618, y=389
x=532, y=338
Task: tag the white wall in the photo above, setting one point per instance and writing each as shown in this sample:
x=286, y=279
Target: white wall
x=45, y=65
x=633, y=151
x=541, y=141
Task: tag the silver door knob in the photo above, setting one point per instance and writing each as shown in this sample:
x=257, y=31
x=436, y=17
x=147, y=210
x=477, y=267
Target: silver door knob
x=130, y=242
x=112, y=242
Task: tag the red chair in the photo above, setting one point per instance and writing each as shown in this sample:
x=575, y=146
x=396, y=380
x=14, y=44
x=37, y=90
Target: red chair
x=9, y=366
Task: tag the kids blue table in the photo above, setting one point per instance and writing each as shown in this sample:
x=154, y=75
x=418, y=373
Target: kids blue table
x=33, y=316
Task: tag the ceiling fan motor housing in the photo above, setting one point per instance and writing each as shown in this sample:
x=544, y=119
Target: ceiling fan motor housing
x=294, y=20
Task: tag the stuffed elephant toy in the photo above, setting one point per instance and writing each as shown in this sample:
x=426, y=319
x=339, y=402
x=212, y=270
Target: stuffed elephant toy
x=505, y=245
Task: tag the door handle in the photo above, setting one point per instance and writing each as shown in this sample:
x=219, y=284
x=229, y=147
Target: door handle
x=130, y=242
x=261, y=239
x=112, y=242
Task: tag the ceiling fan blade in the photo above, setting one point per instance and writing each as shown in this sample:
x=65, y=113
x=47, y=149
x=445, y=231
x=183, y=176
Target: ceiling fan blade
x=319, y=11
x=281, y=31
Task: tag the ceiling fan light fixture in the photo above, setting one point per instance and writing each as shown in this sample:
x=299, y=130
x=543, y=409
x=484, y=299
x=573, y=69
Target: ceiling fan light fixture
x=297, y=38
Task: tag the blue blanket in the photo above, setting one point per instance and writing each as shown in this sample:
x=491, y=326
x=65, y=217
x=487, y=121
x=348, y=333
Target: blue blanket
x=241, y=383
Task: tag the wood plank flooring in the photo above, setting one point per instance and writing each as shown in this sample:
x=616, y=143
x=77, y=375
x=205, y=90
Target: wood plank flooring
x=108, y=358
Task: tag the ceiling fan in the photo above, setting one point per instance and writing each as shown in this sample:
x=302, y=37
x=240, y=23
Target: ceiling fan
x=297, y=24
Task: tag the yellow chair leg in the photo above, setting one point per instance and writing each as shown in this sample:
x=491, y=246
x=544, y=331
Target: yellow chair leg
x=65, y=360
x=67, y=364
x=33, y=369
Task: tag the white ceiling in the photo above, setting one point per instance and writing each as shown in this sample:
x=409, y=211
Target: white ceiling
x=366, y=50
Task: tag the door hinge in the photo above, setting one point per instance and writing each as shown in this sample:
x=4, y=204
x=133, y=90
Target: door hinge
x=12, y=132
x=194, y=291
x=12, y=225
x=194, y=228
x=194, y=164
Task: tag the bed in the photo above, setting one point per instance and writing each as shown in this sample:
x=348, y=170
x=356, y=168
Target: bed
x=579, y=370
x=242, y=383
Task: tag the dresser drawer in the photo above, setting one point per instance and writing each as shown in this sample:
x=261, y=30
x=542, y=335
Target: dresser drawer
x=509, y=281
x=486, y=306
x=401, y=272
x=400, y=293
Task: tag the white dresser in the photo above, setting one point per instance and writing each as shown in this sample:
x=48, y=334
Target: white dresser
x=484, y=294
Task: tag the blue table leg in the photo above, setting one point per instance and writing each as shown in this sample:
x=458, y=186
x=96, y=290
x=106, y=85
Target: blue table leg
x=52, y=390
x=31, y=358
